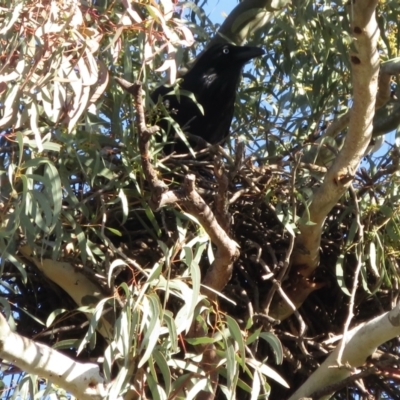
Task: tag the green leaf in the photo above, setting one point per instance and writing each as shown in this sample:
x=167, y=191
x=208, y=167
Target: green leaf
x=200, y=385
x=114, y=231
x=168, y=319
x=267, y=371
x=93, y=323
x=155, y=272
x=118, y=383
x=200, y=340
x=6, y=309
x=67, y=344
x=53, y=315
x=163, y=367
x=236, y=333
x=372, y=258
x=254, y=336
x=340, y=274
x=256, y=387
x=115, y=264
x=43, y=209
x=36, y=319
x=153, y=329
x=157, y=392
x=16, y=263
x=276, y=345
x=125, y=206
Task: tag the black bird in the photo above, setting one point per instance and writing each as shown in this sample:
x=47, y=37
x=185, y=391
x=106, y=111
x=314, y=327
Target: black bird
x=213, y=81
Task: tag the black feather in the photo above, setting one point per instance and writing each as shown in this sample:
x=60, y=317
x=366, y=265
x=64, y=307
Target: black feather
x=213, y=80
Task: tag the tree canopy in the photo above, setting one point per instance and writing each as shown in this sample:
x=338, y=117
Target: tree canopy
x=267, y=267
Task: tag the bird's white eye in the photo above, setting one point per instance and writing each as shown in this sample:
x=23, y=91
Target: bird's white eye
x=225, y=50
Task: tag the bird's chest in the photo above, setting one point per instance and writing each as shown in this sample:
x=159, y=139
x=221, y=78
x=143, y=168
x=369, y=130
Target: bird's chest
x=216, y=89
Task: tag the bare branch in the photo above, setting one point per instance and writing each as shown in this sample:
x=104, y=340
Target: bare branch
x=360, y=343
x=258, y=13
x=359, y=255
x=82, y=290
x=227, y=251
x=82, y=380
x=157, y=186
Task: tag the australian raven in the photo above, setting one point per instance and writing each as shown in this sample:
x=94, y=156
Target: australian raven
x=213, y=81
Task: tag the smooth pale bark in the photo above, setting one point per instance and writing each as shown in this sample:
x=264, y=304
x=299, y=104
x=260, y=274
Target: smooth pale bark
x=361, y=342
x=365, y=70
x=82, y=380
x=81, y=289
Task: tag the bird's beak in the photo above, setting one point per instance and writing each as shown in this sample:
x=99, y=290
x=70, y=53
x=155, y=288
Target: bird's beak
x=246, y=53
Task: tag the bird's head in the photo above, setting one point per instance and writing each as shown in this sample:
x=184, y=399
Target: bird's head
x=220, y=57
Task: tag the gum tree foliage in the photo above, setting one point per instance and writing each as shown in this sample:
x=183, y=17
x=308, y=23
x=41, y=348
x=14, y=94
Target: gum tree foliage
x=127, y=274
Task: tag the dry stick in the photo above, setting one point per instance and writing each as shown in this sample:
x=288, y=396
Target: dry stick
x=227, y=251
x=53, y=331
x=220, y=271
x=239, y=160
x=288, y=255
x=158, y=187
x=355, y=282
x=221, y=198
x=160, y=195
x=277, y=286
x=343, y=383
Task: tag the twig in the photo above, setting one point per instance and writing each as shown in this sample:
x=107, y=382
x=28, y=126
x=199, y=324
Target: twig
x=356, y=275
x=239, y=156
x=99, y=192
x=343, y=383
x=157, y=186
x=220, y=198
x=220, y=272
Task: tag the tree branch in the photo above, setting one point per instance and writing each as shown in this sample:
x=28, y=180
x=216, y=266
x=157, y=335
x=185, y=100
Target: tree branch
x=82, y=380
x=386, y=118
x=246, y=18
x=81, y=289
x=360, y=343
x=365, y=67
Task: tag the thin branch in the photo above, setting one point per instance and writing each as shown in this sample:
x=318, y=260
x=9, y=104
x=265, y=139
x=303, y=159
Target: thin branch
x=83, y=380
x=343, y=383
x=289, y=251
x=221, y=197
x=360, y=343
x=157, y=186
x=356, y=275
